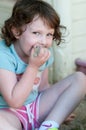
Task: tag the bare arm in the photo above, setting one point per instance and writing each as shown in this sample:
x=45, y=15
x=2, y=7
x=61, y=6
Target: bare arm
x=13, y=91
x=16, y=92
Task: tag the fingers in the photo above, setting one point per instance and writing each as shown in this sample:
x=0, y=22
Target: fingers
x=39, y=55
x=70, y=118
x=41, y=52
x=36, y=51
x=45, y=54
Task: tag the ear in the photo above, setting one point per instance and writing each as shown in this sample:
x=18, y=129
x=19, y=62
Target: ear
x=15, y=32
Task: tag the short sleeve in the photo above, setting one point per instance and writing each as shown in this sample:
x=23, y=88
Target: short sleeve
x=7, y=61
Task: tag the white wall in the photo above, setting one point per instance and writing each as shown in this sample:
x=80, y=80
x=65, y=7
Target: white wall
x=78, y=29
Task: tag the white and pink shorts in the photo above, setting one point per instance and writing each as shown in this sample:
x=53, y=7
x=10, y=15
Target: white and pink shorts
x=28, y=115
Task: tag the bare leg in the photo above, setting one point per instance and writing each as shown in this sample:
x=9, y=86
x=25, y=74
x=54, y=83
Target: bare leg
x=9, y=121
x=60, y=100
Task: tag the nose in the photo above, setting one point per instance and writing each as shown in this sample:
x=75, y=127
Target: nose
x=43, y=40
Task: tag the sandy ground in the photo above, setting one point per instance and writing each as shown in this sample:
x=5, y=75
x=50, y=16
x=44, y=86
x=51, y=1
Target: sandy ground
x=79, y=123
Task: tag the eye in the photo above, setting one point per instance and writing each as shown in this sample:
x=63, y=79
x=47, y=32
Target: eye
x=50, y=35
x=36, y=33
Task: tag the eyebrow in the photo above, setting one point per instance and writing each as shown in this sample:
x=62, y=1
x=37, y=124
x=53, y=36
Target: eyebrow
x=51, y=30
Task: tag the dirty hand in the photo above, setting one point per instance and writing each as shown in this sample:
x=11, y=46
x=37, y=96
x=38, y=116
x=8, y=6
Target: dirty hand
x=39, y=55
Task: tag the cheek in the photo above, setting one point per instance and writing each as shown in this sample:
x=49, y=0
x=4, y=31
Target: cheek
x=28, y=43
x=49, y=43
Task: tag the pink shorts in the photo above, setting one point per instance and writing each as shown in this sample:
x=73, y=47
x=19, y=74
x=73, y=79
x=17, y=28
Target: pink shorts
x=28, y=115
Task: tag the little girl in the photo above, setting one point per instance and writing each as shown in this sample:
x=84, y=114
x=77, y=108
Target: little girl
x=25, y=55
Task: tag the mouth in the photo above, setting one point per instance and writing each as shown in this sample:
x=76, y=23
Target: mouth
x=36, y=51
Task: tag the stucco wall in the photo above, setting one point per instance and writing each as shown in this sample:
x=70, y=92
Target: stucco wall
x=78, y=29
x=73, y=15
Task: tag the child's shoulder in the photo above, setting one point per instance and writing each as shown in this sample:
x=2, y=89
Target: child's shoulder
x=5, y=51
x=3, y=45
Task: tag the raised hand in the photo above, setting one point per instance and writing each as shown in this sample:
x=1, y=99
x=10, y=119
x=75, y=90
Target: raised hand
x=39, y=55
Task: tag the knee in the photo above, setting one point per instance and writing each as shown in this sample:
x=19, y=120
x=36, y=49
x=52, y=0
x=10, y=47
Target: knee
x=1, y=115
x=80, y=78
x=2, y=118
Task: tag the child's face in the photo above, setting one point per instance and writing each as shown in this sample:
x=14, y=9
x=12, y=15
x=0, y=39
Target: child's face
x=37, y=33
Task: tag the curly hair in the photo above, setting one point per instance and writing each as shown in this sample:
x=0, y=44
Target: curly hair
x=24, y=12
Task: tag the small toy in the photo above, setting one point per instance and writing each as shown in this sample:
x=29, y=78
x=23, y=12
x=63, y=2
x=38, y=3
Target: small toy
x=36, y=51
